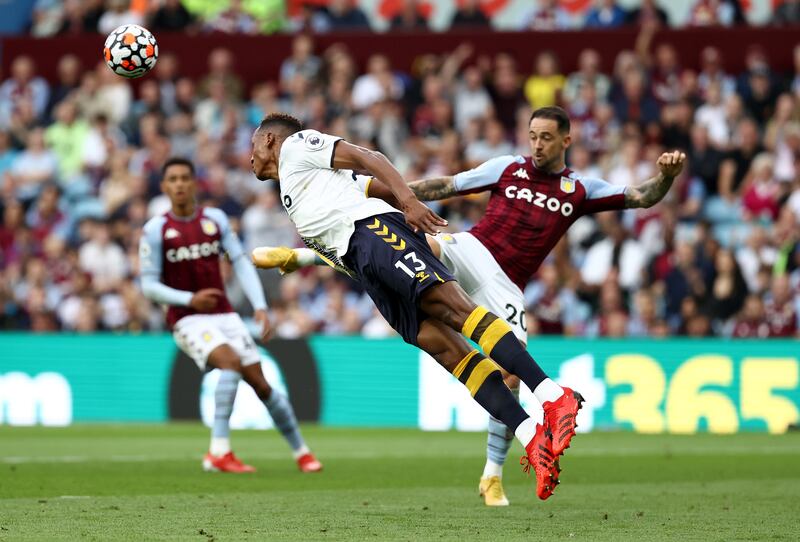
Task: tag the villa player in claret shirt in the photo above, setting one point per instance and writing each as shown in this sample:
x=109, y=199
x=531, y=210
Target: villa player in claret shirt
x=179, y=256
x=534, y=200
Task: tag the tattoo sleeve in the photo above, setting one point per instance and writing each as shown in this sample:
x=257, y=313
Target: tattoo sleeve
x=649, y=192
x=434, y=189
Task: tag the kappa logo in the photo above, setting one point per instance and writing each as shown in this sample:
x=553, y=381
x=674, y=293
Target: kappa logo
x=171, y=233
x=522, y=174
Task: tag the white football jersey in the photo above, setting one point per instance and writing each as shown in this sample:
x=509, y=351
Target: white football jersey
x=324, y=203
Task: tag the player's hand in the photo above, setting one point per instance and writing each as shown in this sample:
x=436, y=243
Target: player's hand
x=206, y=299
x=420, y=217
x=670, y=164
x=261, y=317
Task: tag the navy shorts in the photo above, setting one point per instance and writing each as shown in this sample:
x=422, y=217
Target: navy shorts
x=395, y=266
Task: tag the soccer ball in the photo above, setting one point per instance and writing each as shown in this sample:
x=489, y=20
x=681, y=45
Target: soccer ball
x=130, y=51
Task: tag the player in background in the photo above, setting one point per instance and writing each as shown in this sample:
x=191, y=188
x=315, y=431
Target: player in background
x=533, y=202
x=179, y=259
x=385, y=249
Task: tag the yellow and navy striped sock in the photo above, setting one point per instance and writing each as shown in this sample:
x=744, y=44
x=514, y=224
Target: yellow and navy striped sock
x=484, y=381
x=497, y=340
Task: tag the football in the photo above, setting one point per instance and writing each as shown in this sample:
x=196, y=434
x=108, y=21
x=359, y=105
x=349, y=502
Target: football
x=130, y=51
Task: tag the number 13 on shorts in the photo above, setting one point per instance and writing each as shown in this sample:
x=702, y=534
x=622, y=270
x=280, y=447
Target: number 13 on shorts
x=415, y=268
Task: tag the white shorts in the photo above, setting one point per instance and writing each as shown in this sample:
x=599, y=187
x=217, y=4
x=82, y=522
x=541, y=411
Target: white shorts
x=481, y=277
x=199, y=334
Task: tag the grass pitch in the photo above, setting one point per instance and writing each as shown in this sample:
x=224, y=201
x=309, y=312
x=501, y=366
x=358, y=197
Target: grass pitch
x=145, y=483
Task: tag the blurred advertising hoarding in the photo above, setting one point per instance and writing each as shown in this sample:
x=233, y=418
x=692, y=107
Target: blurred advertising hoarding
x=649, y=386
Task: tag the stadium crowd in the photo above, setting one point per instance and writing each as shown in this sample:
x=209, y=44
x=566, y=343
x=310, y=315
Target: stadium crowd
x=80, y=169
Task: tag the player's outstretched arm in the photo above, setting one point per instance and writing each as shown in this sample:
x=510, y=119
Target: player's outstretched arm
x=434, y=189
x=425, y=190
x=418, y=216
x=654, y=189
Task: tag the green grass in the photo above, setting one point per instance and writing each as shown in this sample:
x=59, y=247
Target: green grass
x=144, y=482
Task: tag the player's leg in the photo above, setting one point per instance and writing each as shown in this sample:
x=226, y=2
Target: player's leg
x=483, y=379
x=220, y=457
x=202, y=339
x=449, y=303
x=282, y=414
x=276, y=403
x=481, y=277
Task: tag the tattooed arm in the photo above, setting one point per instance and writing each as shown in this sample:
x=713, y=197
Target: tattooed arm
x=434, y=189
x=654, y=189
x=425, y=190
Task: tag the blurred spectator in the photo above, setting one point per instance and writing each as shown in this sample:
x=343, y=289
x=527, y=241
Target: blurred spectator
x=67, y=137
x=47, y=17
x=102, y=258
x=45, y=217
x=69, y=77
x=544, y=86
x=728, y=288
x=617, y=254
x=232, y=20
x=266, y=224
x=220, y=68
x=553, y=307
x=340, y=16
x=469, y=15
x=635, y=103
x=787, y=13
x=302, y=62
x=81, y=16
x=409, y=17
x=118, y=12
x=649, y=13
x=606, y=14
x=377, y=84
x=712, y=72
x=7, y=154
x=781, y=308
x=506, y=90
x=736, y=165
x=171, y=16
x=751, y=321
x=713, y=117
x=761, y=191
x=471, y=100
x=34, y=166
x=588, y=74
x=491, y=145
x=756, y=255
x=644, y=321
x=546, y=16
x=716, y=13
x=24, y=87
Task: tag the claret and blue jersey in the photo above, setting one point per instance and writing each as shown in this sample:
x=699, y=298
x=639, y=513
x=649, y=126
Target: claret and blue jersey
x=183, y=254
x=530, y=210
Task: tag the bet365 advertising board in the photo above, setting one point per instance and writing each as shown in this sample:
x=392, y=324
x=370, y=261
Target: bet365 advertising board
x=678, y=386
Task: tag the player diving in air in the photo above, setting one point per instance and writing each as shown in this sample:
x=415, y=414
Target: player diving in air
x=534, y=199
x=385, y=249
x=179, y=256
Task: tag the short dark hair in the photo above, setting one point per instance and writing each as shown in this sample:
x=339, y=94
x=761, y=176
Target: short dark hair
x=555, y=113
x=177, y=161
x=282, y=120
